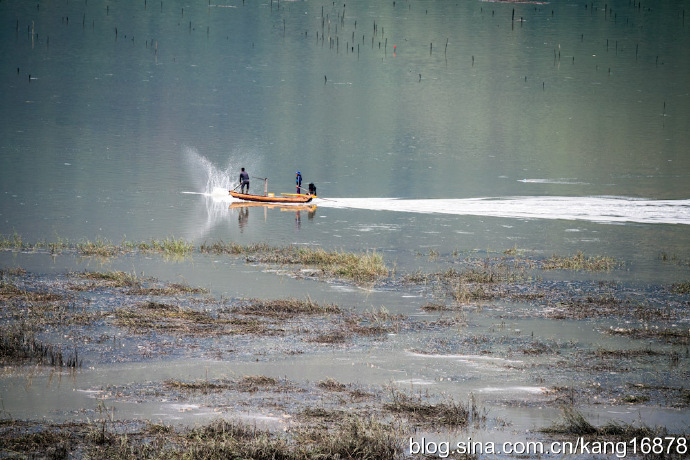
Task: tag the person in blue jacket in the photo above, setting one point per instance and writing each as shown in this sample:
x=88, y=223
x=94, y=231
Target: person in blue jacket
x=298, y=181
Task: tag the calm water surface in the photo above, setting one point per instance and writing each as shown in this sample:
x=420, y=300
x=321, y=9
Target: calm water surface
x=552, y=127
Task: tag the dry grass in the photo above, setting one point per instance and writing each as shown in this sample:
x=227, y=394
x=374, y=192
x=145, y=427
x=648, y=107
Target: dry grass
x=112, y=278
x=348, y=436
x=670, y=335
x=574, y=423
x=18, y=345
x=169, y=318
x=444, y=413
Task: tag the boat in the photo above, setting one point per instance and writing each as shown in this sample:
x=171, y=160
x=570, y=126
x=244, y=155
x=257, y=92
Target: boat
x=271, y=198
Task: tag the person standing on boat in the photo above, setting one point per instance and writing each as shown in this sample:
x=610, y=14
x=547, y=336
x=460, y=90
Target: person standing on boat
x=298, y=181
x=244, y=181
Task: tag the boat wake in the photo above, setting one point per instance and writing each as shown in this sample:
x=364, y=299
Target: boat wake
x=215, y=183
x=603, y=209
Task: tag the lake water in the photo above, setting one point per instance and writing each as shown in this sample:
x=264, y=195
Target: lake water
x=426, y=126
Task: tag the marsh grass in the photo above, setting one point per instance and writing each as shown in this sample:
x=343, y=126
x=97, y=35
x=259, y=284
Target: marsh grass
x=681, y=336
x=372, y=322
x=41, y=300
x=331, y=384
x=99, y=248
x=167, y=290
x=622, y=354
x=166, y=317
x=11, y=242
x=332, y=338
x=232, y=248
x=112, y=278
x=202, y=386
x=580, y=262
x=435, y=307
x=253, y=383
x=286, y=308
x=443, y=413
x=681, y=288
x=169, y=246
x=18, y=345
x=347, y=437
x=120, y=279
x=574, y=423
x=359, y=267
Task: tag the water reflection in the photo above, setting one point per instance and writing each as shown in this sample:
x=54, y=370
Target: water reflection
x=242, y=210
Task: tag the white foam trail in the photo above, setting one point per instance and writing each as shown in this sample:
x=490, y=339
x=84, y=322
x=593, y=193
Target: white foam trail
x=554, y=181
x=603, y=209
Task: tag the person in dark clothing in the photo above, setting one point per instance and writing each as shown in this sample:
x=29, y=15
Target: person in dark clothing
x=244, y=181
x=298, y=181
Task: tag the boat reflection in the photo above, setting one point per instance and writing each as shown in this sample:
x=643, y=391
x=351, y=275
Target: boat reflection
x=243, y=211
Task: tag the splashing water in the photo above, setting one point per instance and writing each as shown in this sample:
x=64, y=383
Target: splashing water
x=210, y=179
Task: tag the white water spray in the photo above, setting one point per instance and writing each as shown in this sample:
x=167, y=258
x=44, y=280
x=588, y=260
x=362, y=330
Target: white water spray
x=210, y=179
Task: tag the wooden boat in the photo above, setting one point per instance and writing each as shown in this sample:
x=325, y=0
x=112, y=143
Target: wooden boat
x=270, y=198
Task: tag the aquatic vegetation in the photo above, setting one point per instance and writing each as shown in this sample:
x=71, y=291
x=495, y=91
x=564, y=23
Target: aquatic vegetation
x=580, y=262
x=19, y=345
x=349, y=436
x=221, y=247
x=285, y=308
x=112, y=278
x=574, y=423
x=446, y=413
x=674, y=259
x=362, y=267
x=166, y=317
x=435, y=306
x=167, y=290
x=99, y=248
x=168, y=246
x=670, y=335
x=252, y=383
x=12, y=242
x=681, y=288
x=203, y=386
x=331, y=384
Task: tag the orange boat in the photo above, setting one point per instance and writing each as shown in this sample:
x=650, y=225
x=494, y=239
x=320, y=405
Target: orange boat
x=271, y=198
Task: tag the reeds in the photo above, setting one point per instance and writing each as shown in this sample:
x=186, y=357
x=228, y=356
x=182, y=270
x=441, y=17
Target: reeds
x=574, y=423
x=443, y=413
x=286, y=308
x=18, y=344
